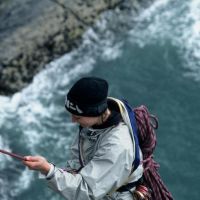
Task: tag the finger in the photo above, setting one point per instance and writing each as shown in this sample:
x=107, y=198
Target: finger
x=34, y=158
x=26, y=158
x=30, y=161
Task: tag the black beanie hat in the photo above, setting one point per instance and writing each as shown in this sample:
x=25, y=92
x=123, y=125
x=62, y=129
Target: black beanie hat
x=87, y=97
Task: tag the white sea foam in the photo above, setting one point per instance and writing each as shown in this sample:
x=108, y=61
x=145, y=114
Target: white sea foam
x=22, y=183
x=193, y=41
x=175, y=22
x=3, y=194
x=4, y=158
x=151, y=24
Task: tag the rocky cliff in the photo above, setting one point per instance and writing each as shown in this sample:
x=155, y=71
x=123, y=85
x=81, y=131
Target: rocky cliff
x=34, y=32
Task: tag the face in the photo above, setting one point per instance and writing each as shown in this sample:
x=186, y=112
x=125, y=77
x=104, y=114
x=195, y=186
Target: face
x=85, y=121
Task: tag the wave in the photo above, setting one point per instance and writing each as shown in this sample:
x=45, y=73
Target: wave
x=192, y=40
x=4, y=159
x=175, y=22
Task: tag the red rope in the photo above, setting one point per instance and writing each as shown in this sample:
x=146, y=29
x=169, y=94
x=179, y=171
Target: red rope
x=147, y=139
x=12, y=154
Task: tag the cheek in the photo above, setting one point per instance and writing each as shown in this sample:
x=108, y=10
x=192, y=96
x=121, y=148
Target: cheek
x=87, y=122
x=82, y=122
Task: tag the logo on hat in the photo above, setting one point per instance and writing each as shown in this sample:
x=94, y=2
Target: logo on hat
x=72, y=106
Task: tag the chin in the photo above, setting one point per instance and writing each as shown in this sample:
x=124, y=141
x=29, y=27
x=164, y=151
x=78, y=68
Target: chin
x=84, y=125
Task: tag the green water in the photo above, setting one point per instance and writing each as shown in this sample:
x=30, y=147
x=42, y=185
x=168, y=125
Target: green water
x=149, y=58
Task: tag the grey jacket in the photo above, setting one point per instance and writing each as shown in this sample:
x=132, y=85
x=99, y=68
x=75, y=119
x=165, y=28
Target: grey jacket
x=107, y=155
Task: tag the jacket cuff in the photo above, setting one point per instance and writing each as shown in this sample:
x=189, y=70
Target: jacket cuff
x=50, y=173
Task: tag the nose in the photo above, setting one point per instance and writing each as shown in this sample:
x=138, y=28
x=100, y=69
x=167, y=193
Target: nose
x=75, y=118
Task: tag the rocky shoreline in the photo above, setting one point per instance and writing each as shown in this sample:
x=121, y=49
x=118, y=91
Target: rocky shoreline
x=34, y=32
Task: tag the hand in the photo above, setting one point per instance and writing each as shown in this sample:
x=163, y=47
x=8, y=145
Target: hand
x=38, y=163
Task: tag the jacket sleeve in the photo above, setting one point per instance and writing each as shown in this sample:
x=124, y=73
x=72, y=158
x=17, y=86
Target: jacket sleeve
x=108, y=170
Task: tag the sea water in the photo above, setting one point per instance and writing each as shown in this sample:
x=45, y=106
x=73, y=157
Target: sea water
x=149, y=56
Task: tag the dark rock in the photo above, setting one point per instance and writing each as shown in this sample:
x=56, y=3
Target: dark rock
x=34, y=32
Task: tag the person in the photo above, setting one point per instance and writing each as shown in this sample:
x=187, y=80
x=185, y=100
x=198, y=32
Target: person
x=103, y=152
